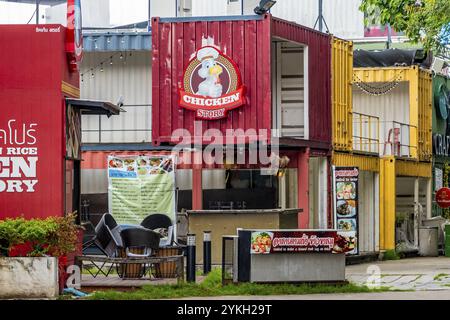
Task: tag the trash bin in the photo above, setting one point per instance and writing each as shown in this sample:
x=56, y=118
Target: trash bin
x=428, y=241
x=447, y=240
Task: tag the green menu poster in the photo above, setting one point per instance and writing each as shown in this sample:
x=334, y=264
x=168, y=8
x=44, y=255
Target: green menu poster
x=139, y=186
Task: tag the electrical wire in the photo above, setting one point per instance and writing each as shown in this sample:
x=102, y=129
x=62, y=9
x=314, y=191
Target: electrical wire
x=35, y=10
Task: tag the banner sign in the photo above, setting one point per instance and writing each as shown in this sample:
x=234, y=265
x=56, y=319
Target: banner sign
x=211, y=85
x=141, y=185
x=320, y=241
x=346, y=205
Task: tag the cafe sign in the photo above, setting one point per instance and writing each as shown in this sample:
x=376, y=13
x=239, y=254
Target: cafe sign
x=441, y=145
x=443, y=197
x=212, y=85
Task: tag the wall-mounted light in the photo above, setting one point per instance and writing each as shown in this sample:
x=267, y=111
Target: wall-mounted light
x=264, y=6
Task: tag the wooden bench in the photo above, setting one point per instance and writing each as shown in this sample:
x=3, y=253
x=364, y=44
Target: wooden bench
x=103, y=260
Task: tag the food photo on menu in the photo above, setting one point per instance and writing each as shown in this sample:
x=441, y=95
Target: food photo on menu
x=261, y=242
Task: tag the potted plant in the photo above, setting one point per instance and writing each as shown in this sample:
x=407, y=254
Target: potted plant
x=29, y=252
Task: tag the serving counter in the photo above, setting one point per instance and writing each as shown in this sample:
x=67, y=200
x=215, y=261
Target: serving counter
x=224, y=222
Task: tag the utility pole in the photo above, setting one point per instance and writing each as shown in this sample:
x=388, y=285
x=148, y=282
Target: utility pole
x=389, y=38
x=149, y=24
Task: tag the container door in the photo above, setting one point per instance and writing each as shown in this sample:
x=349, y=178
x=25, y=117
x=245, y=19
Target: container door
x=290, y=89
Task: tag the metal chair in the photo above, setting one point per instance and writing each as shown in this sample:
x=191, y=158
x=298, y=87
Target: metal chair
x=138, y=243
x=157, y=221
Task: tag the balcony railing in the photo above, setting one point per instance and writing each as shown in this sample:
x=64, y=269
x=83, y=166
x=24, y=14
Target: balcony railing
x=366, y=133
x=398, y=139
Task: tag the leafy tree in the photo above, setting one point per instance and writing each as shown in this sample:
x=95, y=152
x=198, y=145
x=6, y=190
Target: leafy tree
x=424, y=21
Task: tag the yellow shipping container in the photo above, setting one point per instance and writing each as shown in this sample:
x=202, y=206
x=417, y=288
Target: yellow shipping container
x=341, y=77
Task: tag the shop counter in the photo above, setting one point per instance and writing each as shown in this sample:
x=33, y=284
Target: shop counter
x=223, y=222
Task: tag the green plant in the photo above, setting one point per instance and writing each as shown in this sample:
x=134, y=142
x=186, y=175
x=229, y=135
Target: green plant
x=55, y=236
x=391, y=255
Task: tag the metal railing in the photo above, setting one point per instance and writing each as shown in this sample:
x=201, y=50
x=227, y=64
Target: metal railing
x=100, y=131
x=366, y=133
x=398, y=140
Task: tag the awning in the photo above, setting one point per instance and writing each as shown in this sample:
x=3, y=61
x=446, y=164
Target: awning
x=94, y=107
x=390, y=58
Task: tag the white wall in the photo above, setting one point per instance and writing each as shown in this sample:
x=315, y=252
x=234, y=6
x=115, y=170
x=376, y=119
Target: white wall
x=337, y=13
x=95, y=14
x=131, y=78
x=393, y=106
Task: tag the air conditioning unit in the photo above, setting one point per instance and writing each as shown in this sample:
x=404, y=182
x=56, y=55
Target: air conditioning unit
x=440, y=66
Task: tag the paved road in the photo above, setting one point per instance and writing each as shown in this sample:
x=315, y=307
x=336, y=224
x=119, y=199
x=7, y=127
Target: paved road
x=428, y=274
x=416, y=295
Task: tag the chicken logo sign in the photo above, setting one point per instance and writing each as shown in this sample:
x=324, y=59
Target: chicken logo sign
x=211, y=85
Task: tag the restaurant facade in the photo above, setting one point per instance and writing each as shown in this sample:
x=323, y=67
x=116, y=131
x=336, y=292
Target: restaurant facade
x=272, y=92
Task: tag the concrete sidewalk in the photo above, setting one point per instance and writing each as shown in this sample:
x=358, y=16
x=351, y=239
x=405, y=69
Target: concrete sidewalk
x=405, y=274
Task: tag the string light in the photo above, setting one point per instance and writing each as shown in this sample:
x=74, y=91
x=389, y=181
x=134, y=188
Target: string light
x=100, y=66
x=378, y=90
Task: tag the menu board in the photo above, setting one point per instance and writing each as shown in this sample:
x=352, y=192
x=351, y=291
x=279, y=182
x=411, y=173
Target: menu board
x=314, y=241
x=346, y=207
x=139, y=186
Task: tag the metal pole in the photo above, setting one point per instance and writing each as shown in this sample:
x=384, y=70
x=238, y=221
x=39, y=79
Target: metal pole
x=149, y=25
x=320, y=15
x=37, y=11
x=389, y=39
x=190, y=265
x=206, y=252
x=242, y=7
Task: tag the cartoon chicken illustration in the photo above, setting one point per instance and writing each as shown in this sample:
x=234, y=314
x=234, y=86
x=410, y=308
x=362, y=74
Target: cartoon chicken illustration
x=210, y=71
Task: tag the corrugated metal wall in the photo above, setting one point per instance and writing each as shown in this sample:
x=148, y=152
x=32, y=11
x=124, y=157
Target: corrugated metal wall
x=425, y=115
x=246, y=42
x=342, y=75
x=304, y=12
x=129, y=77
x=389, y=107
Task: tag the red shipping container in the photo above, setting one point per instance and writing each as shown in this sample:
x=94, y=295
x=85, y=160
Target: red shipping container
x=248, y=42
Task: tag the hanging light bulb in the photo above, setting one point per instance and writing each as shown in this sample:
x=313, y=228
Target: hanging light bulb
x=121, y=56
x=101, y=67
x=92, y=73
x=110, y=61
x=82, y=79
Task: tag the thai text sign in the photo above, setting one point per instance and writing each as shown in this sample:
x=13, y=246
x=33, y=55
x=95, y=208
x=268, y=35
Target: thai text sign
x=321, y=241
x=139, y=186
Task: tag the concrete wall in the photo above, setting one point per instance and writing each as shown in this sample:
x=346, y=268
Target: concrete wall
x=291, y=267
x=28, y=278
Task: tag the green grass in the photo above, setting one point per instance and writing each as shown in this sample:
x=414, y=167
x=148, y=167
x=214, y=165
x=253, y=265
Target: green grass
x=391, y=255
x=440, y=276
x=212, y=286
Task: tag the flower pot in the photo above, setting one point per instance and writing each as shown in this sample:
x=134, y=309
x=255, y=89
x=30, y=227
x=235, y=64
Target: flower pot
x=28, y=277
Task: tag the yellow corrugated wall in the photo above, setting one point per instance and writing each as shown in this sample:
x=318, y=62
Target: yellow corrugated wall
x=387, y=203
x=342, y=74
x=425, y=115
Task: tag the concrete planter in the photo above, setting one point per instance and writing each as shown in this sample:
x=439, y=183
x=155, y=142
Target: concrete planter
x=28, y=277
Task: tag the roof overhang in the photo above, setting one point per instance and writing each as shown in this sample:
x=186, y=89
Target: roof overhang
x=94, y=107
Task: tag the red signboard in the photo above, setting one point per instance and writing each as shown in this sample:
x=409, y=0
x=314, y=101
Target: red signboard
x=32, y=139
x=443, y=197
x=321, y=241
x=211, y=84
x=74, y=37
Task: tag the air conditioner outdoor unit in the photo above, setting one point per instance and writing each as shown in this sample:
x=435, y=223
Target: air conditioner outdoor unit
x=439, y=65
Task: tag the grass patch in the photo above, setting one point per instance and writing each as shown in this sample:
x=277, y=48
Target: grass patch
x=440, y=276
x=212, y=286
x=391, y=255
